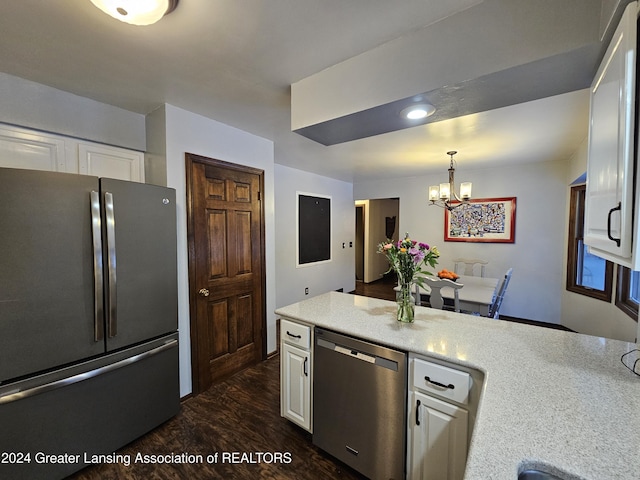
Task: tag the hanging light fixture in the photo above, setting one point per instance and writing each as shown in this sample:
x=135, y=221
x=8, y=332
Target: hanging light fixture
x=442, y=195
x=136, y=12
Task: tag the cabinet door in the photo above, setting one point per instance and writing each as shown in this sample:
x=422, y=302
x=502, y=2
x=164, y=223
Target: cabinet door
x=438, y=438
x=295, y=388
x=610, y=179
x=110, y=162
x=28, y=149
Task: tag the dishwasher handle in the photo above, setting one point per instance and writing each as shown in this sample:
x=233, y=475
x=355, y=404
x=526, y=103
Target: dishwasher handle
x=355, y=354
x=358, y=355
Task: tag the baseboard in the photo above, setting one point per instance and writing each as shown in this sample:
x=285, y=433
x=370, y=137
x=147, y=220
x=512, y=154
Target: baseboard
x=275, y=353
x=554, y=326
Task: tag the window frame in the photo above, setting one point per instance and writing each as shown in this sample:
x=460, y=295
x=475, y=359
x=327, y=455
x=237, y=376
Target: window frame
x=576, y=236
x=623, y=299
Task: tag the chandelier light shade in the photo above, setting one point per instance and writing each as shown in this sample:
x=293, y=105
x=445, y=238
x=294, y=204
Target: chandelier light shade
x=444, y=194
x=136, y=12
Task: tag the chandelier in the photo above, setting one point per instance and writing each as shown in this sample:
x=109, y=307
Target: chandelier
x=441, y=195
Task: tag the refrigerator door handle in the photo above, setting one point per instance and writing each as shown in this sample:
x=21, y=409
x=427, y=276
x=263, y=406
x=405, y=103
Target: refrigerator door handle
x=112, y=301
x=98, y=279
x=12, y=396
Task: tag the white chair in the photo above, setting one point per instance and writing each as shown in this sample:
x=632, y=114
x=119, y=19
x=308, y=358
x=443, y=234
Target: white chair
x=435, y=297
x=467, y=266
x=494, y=310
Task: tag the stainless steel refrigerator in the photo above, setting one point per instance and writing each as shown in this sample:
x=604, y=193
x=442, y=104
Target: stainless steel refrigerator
x=88, y=318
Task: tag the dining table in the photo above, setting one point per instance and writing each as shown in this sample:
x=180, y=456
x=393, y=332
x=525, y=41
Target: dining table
x=476, y=296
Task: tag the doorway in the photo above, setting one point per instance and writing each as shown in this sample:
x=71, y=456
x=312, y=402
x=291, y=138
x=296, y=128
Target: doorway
x=225, y=232
x=376, y=220
x=359, y=242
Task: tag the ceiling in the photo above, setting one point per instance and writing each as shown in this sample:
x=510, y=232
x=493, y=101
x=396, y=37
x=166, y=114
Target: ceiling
x=235, y=61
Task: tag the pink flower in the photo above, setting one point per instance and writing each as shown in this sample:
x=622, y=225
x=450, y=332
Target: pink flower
x=388, y=246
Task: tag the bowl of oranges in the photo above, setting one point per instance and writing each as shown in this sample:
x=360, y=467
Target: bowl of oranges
x=449, y=275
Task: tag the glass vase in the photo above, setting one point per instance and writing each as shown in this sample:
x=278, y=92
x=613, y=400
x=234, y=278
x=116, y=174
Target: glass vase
x=406, y=306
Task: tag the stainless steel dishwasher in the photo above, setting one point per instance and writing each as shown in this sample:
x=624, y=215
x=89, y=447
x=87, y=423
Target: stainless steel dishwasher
x=359, y=404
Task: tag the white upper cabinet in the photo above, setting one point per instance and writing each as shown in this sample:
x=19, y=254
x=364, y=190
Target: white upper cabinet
x=25, y=148
x=22, y=148
x=106, y=161
x=609, y=227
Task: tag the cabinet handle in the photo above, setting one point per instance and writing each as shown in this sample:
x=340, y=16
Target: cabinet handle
x=417, y=412
x=304, y=367
x=451, y=385
x=614, y=209
x=292, y=335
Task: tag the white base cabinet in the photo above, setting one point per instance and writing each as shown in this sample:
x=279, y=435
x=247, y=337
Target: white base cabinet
x=438, y=420
x=438, y=439
x=296, y=369
x=33, y=150
x=296, y=385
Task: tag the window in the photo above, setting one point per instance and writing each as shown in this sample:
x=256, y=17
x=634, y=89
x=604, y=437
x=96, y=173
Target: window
x=628, y=292
x=586, y=274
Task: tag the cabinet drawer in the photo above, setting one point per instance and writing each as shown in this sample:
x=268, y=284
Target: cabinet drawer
x=442, y=381
x=295, y=334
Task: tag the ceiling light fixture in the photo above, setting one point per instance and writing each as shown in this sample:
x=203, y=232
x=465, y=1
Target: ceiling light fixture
x=441, y=195
x=136, y=12
x=417, y=112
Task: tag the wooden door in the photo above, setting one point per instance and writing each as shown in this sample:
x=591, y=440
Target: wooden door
x=226, y=268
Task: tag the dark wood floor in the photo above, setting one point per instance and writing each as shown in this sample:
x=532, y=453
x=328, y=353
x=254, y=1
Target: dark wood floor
x=241, y=414
x=382, y=288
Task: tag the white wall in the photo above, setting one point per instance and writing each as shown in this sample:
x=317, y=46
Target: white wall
x=321, y=277
x=188, y=132
x=38, y=106
x=585, y=314
x=537, y=254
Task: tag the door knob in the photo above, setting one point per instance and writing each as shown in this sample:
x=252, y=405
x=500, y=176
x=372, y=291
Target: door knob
x=203, y=292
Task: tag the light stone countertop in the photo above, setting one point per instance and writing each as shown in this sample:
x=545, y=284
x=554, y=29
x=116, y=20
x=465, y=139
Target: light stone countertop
x=557, y=400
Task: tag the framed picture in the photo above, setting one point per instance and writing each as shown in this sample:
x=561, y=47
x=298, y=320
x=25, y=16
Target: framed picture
x=490, y=220
x=314, y=229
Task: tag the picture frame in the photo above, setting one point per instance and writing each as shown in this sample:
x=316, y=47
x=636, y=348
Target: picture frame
x=488, y=220
x=313, y=229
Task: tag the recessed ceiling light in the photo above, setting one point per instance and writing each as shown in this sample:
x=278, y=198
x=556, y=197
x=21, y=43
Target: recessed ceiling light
x=416, y=112
x=136, y=12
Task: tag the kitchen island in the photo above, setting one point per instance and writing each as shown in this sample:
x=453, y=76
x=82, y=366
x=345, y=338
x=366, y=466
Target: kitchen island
x=559, y=401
